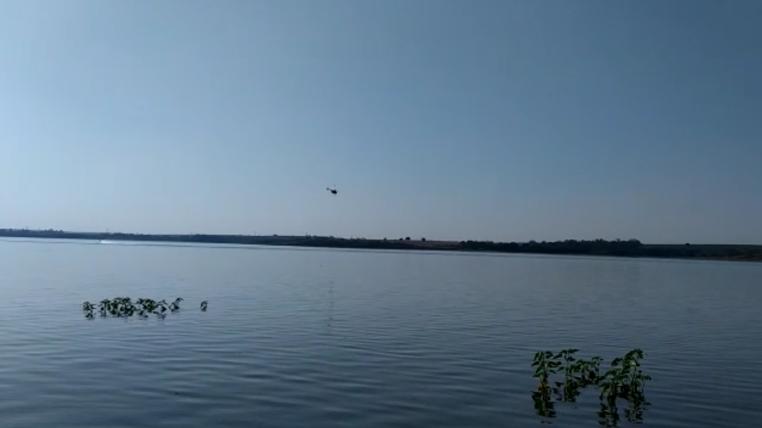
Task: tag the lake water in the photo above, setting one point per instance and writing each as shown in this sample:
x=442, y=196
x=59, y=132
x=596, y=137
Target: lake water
x=326, y=338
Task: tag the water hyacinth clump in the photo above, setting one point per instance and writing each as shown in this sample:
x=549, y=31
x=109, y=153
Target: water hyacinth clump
x=624, y=380
x=125, y=307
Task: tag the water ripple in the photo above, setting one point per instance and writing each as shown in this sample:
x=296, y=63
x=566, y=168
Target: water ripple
x=343, y=338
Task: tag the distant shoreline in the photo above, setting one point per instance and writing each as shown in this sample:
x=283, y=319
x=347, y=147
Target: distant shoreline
x=598, y=247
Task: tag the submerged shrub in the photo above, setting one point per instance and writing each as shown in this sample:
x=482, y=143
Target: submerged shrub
x=544, y=366
x=124, y=307
x=624, y=380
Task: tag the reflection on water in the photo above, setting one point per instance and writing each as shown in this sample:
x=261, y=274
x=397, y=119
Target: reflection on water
x=367, y=338
x=543, y=403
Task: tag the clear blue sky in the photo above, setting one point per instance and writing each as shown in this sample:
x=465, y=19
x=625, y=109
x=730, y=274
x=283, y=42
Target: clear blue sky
x=506, y=120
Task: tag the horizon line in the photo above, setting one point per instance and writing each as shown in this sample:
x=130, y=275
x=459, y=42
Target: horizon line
x=350, y=238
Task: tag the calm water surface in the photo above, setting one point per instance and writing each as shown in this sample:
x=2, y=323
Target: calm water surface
x=306, y=337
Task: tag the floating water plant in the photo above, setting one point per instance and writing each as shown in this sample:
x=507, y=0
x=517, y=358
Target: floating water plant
x=124, y=307
x=623, y=380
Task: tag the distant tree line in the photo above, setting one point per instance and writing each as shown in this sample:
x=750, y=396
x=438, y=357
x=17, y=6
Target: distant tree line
x=599, y=247
x=631, y=247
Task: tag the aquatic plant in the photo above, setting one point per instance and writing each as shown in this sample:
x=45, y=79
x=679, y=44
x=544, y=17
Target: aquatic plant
x=578, y=374
x=545, y=365
x=123, y=307
x=624, y=380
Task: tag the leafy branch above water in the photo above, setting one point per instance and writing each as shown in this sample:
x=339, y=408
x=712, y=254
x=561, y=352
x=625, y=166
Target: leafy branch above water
x=125, y=307
x=623, y=380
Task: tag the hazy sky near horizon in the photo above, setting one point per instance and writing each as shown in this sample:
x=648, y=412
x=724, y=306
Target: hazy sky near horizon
x=505, y=120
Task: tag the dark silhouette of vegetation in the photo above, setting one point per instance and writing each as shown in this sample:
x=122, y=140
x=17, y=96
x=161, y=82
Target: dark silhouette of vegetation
x=596, y=247
x=125, y=307
x=545, y=365
x=624, y=380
